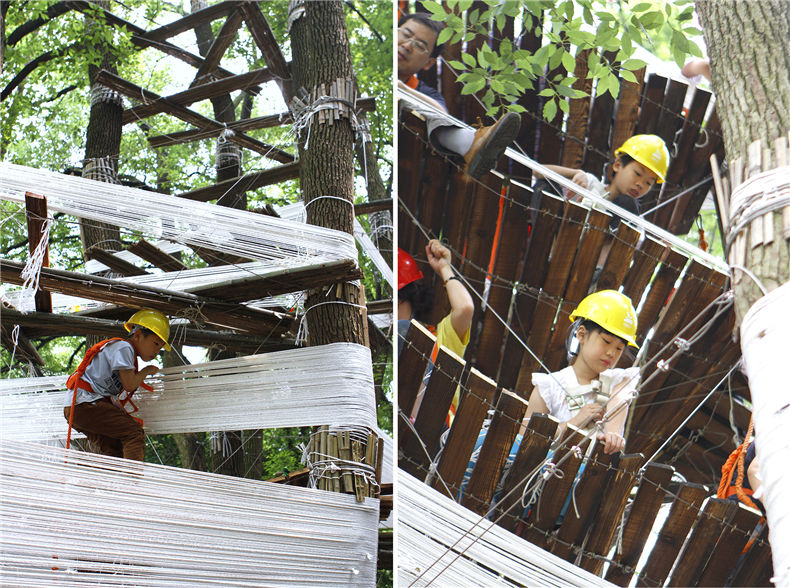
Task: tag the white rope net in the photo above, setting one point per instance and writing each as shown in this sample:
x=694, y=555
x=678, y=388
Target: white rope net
x=75, y=519
x=429, y=523
x=160, y=216
x=322, y=385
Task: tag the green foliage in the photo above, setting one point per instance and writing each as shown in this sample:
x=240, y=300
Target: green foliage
x=609, y=32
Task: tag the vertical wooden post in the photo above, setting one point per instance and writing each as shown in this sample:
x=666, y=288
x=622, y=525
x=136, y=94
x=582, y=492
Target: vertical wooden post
x=36, y=213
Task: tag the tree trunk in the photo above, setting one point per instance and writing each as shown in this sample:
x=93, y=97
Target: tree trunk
x=102, y=146
x=750, y=61
x=321, y=55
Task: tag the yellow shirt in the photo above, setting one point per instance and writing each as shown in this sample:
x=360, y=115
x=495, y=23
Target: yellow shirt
x=447, y=336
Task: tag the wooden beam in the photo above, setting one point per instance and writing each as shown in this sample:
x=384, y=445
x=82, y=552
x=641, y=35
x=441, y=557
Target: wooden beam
x=116, y=264
x=141, y=39
x=246, y=124
x=199, y=17
x=247, y=182
x=198, y=93
x=38, y=324
x=156, y=256
x=18, y=344
x=380, y=306
x=218, y=48
x=267, y=43
x=217, y=312
x=374, y=206
x=137, y=93
x=36, y=214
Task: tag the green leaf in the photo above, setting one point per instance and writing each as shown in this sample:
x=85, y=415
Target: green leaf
x=628, y=76
x=468, y=59
x=564, y=106
x=473, y=86
x=568, y=61
x=549, y=110
x=516, y=108
x=547, y=92
x=642, y=7
x=434, y=7
x=444, y=35
x=456, y=64
x=465, y=5
x=634, y=64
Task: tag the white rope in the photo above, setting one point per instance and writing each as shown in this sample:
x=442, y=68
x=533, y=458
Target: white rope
x=759, y=195
x=32, y=271
x=429, y=523
x=303, y=333
x=326, y=384
x=76, y=519
x=326, y=466
x=161, y=216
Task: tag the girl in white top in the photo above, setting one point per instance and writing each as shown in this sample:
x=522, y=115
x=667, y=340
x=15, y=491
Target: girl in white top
x=591, y=388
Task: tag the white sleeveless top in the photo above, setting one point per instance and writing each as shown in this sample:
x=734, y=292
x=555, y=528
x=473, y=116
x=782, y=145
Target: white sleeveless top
x=564, y=396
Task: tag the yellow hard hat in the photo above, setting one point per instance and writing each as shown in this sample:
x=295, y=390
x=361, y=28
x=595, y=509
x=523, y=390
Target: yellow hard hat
x=152, y=320
x=650, y=151
x=612, y=311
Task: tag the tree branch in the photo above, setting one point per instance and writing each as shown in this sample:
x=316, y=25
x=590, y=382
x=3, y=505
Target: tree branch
x=25, y=29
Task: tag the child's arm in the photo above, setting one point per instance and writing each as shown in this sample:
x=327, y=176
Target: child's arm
x=132, y=381
x=461, y=303
x=587, y=414
x=618, y=407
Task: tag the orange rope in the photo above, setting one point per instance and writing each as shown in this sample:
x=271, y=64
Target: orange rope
x=735, y=464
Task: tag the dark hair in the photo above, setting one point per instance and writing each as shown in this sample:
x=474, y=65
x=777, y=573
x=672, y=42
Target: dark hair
x=591, y=327
x=420, y=297
x=138, y=328
x=625, y=159
x=434, y=25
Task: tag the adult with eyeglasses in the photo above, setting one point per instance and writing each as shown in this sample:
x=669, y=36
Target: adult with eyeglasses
x=418, y=51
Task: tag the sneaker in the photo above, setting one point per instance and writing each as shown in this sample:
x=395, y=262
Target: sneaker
x=490, y=143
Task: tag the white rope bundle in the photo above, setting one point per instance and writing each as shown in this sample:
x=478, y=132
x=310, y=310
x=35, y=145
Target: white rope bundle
x=200, y=224
x=32, y=270
x=76, y=519
x=322, y=385
x=429, y=523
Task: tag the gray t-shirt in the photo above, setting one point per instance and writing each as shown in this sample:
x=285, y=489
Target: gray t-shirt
x=102, y=373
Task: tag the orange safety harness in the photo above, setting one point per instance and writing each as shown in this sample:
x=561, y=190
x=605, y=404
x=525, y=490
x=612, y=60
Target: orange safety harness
x=413, y=82
x=75, y=381
x=735, y=463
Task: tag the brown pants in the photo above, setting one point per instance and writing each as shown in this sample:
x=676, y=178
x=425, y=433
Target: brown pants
x=109, y=428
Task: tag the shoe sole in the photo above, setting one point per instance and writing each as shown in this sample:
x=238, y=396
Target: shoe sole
x=492, y=150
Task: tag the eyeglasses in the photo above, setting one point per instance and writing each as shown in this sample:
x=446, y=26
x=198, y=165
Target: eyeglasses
x=407, y=36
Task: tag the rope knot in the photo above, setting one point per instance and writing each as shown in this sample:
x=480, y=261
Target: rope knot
x=682, y=344
x=663, y=365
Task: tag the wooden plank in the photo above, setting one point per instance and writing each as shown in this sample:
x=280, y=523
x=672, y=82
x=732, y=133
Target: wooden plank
x=541, y=237
x=36, y=214
x=608, y=517
x=156, y=256
x=670, y=119
x=700, y=543
x=661, y=288
x=204, y=15
x=137, y=93
x=412, y=362
x=598, y=148
x=643, y=513
x=628, y=108
x=578, y=114
x=245, y=183
x=116, y=264
x=563, y=253
x=544, y=514
x=472, y=410
x=216, y=312
x=510, y=253
x=267, y=43
x=204, y=92
x=218, y=48
x=650, y=108
x=678, y=523
x=757, y=567
x=587, y=498
x=37, y=324
x=531, y=454
x=645, y=261
x=589, y=250
x=729, y=547
x=493, y=454
x=419, y=450
x=619, y=259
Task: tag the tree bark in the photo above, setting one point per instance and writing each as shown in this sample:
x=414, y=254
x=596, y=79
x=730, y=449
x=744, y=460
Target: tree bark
x=750, y=67
x=321, y=55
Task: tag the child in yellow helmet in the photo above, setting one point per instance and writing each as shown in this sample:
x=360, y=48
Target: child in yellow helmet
x=640, y=162
x=591, y=388
x=101, y=388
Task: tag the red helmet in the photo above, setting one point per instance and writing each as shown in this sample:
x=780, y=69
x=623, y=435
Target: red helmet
x=408, y=271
